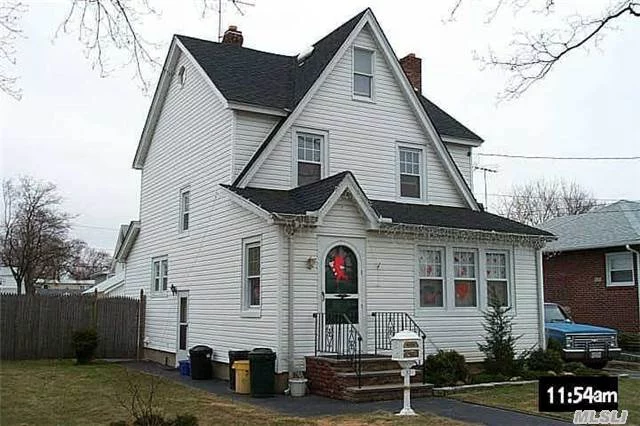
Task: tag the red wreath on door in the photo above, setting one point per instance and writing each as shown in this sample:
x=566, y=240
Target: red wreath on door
x=338, y=268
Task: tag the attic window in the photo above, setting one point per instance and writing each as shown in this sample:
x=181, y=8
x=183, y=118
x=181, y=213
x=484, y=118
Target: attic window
x=362, y=73
x=181, y=76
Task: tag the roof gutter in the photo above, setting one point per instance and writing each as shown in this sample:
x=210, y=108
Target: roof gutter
x=628, y=247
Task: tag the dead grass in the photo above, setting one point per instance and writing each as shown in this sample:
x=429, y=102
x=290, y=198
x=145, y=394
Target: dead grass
x=61, y=393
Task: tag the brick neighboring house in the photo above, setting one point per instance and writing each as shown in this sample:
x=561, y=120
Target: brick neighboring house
x=593, y=267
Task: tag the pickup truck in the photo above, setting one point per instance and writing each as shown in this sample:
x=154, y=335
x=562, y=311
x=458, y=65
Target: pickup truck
x=593, y=346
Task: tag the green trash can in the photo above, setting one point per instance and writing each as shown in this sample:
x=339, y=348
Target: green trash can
x=262, y=366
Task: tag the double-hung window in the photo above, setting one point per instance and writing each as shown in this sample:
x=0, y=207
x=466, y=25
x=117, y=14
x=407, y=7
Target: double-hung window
x=185, y=200
x=252, y=274
x=160, y=273
x=497, y=274
x=431, y=275
x=410, y=172
x=619, y=269
x=309, y=158
x=362, y=73
x=464, y=278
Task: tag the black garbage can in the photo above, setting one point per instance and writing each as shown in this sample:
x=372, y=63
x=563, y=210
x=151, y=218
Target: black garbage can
x=262, y=366
x=201, y=368
x=233, y=357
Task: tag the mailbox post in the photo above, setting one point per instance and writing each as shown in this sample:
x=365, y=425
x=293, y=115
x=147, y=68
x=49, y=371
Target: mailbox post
x=406, y=349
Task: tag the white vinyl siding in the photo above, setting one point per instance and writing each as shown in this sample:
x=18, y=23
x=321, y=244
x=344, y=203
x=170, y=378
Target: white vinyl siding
x=250, y=130
x=363, y=136
x=619, y=269
x=192, y=146
x=461, y=155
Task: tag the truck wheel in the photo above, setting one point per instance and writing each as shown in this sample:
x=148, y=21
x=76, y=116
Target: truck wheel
x=598, y=365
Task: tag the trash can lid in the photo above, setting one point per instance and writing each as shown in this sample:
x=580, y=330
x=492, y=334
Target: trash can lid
x=198, y=349
x=261, y=351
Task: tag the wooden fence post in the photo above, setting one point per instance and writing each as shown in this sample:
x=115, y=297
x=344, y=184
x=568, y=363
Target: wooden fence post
x=141, y=320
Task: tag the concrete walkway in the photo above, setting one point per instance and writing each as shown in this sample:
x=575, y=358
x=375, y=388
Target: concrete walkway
x=313, y=405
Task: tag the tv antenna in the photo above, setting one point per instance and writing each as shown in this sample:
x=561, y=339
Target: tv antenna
x=484, y=170
x=236, y=4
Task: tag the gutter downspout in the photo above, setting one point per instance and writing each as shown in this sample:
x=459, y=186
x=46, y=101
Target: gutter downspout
x=542, y=341
x=290, y=296
x=628, y=247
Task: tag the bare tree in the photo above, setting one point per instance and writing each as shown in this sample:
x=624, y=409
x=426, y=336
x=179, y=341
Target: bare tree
x=85, y=261
x=35, y=231
x=10, y=14
x=536, y=202
x=535, y=54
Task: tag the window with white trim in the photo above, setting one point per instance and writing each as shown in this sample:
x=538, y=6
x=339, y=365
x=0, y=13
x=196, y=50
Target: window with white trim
x=362, y=73
x=309, y=158
x=185, y=200
x=464, y=278
x=497, y=275
x=251, y=274
x=619, y=269
x=160, y=274
x=431, y=273
x=410, y=172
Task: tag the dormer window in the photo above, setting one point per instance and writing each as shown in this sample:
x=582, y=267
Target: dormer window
x=362, y=73
x=310, y=157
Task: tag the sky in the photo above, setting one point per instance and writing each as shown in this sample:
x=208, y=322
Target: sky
x=80, y=130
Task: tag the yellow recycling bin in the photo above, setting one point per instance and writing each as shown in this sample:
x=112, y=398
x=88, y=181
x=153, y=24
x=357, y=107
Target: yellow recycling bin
x=243, y=379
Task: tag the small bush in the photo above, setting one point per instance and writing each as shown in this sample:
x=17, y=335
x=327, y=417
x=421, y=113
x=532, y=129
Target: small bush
x=488, y=378
x=571, y=367
x=629, y=341
x=586, y=371
x=185, y=420
x=85, y=343
x=554, y=345
x=540, y=360
x=446, y=368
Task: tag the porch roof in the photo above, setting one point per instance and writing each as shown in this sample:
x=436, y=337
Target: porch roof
x=312, y=197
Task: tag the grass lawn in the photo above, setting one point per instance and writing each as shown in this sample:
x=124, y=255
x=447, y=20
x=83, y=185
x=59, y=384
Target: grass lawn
x=61, y=393
x=525, y=398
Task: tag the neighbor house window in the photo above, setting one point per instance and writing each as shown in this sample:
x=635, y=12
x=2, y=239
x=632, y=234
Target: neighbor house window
x=185, y=200
x=362, y=73
x=410, y=172
x=497, y=273
x=160, y=273
x=431, y=277
x=464, y=274
x=252, y=274
x=309, y=158
x=619, y=269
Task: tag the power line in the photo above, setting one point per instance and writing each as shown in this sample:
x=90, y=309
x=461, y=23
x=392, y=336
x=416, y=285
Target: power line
x=559, y=197
x=94, y=227
x=544, y=157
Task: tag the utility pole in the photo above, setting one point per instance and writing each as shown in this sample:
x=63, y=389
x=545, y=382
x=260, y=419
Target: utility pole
x=484, y=172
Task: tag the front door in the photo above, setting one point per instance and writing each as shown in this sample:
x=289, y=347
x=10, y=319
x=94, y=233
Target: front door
x=183, y=325
x=341, y=284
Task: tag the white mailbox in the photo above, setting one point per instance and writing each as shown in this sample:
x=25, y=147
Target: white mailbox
x=406, y=346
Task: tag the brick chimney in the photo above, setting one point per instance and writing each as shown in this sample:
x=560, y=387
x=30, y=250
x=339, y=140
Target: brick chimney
x=233, y=36
x=412, y=66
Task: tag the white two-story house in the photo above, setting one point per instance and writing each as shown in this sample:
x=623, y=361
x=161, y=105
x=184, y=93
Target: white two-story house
x=287, y=199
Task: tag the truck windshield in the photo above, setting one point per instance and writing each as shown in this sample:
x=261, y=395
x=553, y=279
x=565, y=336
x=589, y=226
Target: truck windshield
x=553, y=313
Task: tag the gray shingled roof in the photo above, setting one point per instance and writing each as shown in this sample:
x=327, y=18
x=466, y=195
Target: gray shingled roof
x=312, y=197
x=616, y=224
x=271, y=80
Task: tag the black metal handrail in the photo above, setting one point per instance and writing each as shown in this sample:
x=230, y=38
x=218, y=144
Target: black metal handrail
x=336, y=334
x=387, y=324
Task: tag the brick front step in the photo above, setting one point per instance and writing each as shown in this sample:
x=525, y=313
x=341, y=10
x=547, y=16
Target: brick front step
x=385, y=392
x=380, y=379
